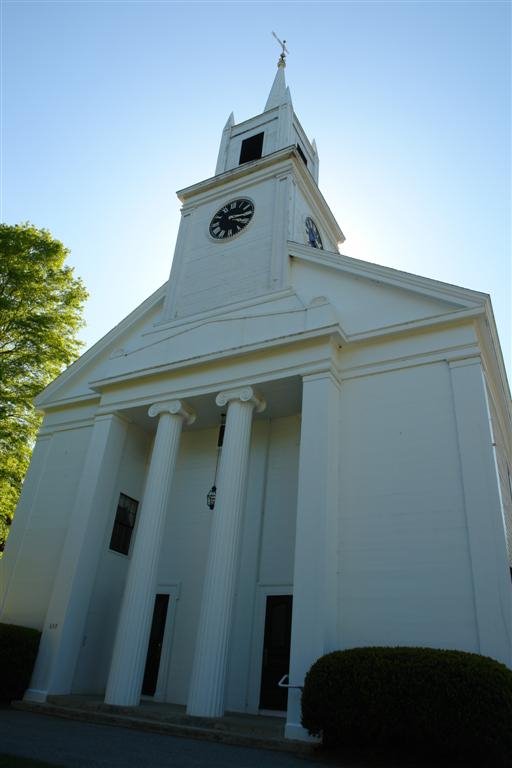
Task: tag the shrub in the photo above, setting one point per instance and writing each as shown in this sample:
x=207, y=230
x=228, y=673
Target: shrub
x=411, y=701
x=18, y=651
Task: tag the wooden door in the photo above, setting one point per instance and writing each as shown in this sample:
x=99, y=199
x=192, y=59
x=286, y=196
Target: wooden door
x=276, y=651
x=156, y=639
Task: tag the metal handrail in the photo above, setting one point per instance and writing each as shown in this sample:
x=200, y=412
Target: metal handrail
x=282, y=684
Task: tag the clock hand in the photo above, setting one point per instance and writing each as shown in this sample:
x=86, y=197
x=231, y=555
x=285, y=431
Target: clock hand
x=238, y=216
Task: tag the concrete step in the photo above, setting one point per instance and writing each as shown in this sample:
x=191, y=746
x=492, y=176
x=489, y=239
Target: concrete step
x=239, y=729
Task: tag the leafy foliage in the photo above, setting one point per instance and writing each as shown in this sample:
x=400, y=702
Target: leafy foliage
x=403, y=702
x=41, y=305
x=18, y=651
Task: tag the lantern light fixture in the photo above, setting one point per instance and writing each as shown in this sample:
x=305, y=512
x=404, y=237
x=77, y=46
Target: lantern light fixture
x=211, y=496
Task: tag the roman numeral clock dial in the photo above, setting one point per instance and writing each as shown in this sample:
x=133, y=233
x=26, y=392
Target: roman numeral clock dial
x=231, y=219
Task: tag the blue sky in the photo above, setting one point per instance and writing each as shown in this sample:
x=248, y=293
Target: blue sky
x=109, y=107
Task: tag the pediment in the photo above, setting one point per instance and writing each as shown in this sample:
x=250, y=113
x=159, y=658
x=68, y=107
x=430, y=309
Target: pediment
x=74, y=384
x=329, y=292
x=142, y=344
x=232, y=330
x=369, y=299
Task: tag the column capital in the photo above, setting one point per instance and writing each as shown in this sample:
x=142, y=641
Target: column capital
x=244, y=394
x=175, y=408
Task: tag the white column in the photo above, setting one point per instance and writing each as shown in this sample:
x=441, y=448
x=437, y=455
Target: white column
x=67, y=610
x=206, y=697
x=132, y=636
x=315, y=579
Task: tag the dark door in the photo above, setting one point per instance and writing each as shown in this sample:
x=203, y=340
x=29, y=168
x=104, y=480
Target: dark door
x=276, y=651
x=156, y=639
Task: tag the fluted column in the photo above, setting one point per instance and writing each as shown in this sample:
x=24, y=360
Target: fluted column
x=206, y=697
x=130, y=648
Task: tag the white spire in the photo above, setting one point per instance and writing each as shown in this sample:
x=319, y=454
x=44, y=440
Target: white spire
x=279, y=93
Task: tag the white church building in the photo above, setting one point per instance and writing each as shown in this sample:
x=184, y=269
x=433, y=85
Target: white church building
x=282, y=452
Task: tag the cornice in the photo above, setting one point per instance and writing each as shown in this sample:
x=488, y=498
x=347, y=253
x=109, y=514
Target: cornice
x=100, y=346
x=377, y=273
x=317, y=333
x=320, y=365
x=451, y=317
x=69, y=402
x=449, y=355
x=65, y=426
x=234, y=174
x=495, y=373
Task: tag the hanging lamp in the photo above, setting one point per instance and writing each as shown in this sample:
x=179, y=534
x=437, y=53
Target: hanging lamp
x=212, y=493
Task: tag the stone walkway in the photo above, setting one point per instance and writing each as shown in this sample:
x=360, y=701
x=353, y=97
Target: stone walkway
x=147, y=738
x=72, y=744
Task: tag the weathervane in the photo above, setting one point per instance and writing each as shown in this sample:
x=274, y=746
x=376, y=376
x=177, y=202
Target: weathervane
x=282, y=43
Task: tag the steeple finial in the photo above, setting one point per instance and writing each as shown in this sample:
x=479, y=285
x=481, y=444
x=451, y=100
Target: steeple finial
x=279, y=93
x=282, y=43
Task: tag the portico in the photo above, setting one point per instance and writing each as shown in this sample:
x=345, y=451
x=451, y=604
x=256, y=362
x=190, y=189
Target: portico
x=224, y=603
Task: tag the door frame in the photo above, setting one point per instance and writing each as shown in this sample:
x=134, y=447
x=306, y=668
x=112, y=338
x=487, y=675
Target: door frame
x=173, y=590
x=260, y=605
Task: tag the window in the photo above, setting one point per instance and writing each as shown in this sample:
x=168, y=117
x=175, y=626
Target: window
x=301, y=153
x=123, y=524
x=251, y=148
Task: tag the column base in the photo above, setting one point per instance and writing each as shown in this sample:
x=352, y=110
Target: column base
x=35, y=694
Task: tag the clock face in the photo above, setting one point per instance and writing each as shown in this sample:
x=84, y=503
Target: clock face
x=312, y=234
x=231, y=219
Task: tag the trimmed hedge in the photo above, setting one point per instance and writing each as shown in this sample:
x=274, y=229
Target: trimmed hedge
x=18, y=651
x=402, y=702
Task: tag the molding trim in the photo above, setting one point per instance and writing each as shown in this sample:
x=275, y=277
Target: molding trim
x=411, y=361
x=48, y=431
x=328, y=330
x=448, y=318
x=463, y=362
x=329, y=372
x=99, y=347
x=284, y=372
x=426, y=286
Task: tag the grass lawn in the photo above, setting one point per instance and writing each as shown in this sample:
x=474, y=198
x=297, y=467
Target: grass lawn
x=9, y=761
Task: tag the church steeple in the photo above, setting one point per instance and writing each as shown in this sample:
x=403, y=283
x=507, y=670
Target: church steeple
x=277, y=127
x=236, y=227
x=279, y=93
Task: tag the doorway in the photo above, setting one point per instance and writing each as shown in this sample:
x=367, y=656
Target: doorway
x=160, y=638
x=276, y=652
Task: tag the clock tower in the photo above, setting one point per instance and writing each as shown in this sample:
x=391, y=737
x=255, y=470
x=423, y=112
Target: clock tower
x=235, y=226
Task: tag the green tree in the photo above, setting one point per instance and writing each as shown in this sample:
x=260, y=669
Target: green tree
x=41, y=304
